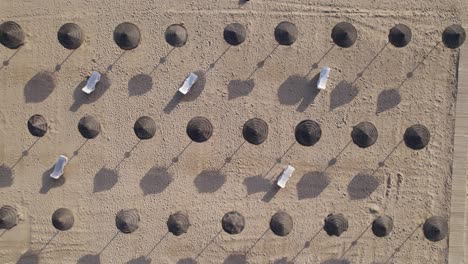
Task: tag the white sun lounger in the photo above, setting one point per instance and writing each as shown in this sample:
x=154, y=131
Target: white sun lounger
x=59, y=166
x=92, y=81
x=189, y=82
x=322, y=81
x=287, y=173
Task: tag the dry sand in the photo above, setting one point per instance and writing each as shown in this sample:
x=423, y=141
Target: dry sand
x=411, y=186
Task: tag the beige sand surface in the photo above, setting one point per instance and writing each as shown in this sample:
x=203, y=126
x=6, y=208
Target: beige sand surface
x=411, y=185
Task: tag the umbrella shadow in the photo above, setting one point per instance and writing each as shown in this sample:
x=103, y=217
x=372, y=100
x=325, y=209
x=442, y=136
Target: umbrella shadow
x=39, y=87
x=312, y=184
x=155, y=181
x=209, y=181
x=7, y=61
x=89, y=259
x=6, y=176
x=298, y=89
x=80, y=98
x=336, y=261
x=343, y=94
x=162, y=60
x=193, y=94
x=139, y=260
x=140, y=84
x=58, y=67
x=105, y=179
x=236, y=258
x=282, y=261
x=387, y=100
x=257, y=184
x=362, y=186
x=187, y=261
x=270, y=194
x=29, y=257
x=49, y=183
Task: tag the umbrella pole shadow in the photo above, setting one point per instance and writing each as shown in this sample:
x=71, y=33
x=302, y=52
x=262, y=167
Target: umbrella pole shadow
x=315, y=65
x=402, y=244
x=382, y=163
x=108, y=243
x=306, y=245
x=25, y=153
x=77, y=151
x=176, y=158
x=256, y=241
x=212, y=65
x=333, y=161
x=360, y=74
x=261, y=63
x=278, y=160
x=162, y=60
x=4, y=231
x=157, y=244
x=111, y=66
x=48, y=242
x=229, y=158
x=207, y=245
x=7, y=61
x=127, y=155
x=355, y=242
x=58, y=67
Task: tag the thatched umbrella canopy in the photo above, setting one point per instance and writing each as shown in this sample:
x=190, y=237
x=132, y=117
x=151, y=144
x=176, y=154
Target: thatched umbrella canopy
x=382, y=226
x=364, y=134
x=335, y=224
x=286, y=33
x=199, y=129
x=435, y=228
x=89, y=127
x=417, y=137
x=176, y=35
x=8, y=217
x=70, y=36
x=127, y=36
x=63, y=219
x=37, y=125
x=281, y=224
x=255, y=131
x=234, y=34
x=344, y=34
x=127, y=220
x=454, y=36
x=400, y=35
x=233, y=223
x=11, y=35
x=145, y=128
x=308, y=133
x=178, y=223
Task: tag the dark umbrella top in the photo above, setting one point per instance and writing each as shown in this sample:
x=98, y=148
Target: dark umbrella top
x=70, y=36
x=335, y=224
x=364, y=134
x=63, y=219
x=37, y=125
x=417, y=137
x=11, y=35
x=344, y=34
x=127, y=36
x=286, y=33
x=234, y=34
x=281, y=224
x=308, y=133
x=233, y=223
x=255, y=131
x=127, y=220
x=382, y=226
x=199, y=129
x=435, y=228
x=400, y=35
x=176, y=35
x=454, y=36
x=178, y=223
x=89, y=127
x=145, y=127
x=8, y=217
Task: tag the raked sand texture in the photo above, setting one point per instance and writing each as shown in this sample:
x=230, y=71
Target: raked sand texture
x=410, y=186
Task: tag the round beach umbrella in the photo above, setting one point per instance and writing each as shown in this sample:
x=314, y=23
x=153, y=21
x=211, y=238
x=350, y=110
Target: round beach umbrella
x=255, y=131
x=234, y=34
x=382, y=226
x=127, y=220
x=89, y=127
x=364, y=134
x=127, y=36
x=417, y=137
x=145, y=127
x=344, y=34
x=37, y=125
x=400, y=35
x=335, y=224
x=233, y=223
x=178, y=223
x=453, y=36
x=281, y=224
x=63, y=219
x=8, y=217
x=176, y=35
x=435, y=228
x=11, y=35
x=70, y=36
x=199, y=129
x=286, y=33
x=308, y=133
